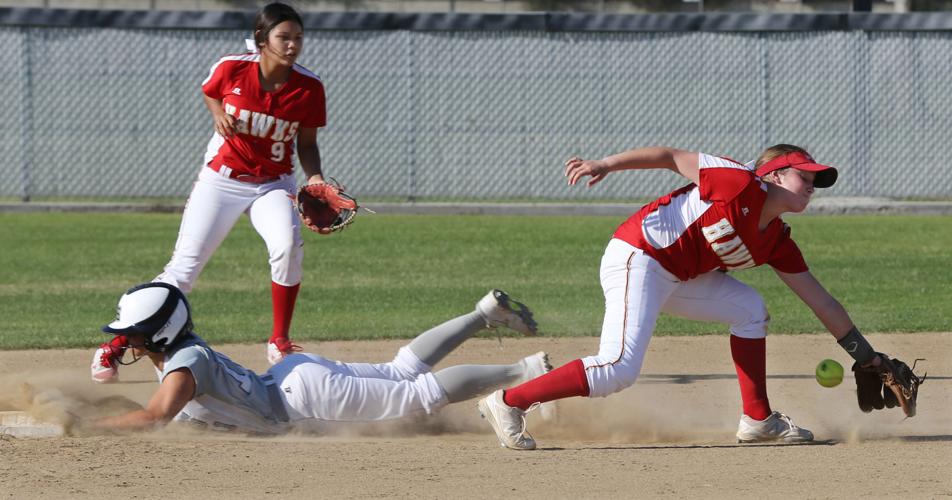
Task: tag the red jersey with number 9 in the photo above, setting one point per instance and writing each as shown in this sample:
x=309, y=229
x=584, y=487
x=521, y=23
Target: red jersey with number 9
x=267, y=123
x=713, y=225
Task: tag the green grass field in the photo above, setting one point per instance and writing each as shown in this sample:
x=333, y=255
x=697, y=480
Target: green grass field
x=394, y=276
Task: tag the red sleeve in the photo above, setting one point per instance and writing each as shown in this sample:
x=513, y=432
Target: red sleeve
x=721, y=179
x=318, y=106
x=217, y=76
x=786, y=256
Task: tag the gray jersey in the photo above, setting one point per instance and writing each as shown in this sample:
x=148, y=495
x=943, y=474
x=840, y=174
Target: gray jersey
x=228, y=396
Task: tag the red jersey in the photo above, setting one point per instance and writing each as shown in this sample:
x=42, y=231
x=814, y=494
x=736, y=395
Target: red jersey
x=267, y=122
x=713, y=225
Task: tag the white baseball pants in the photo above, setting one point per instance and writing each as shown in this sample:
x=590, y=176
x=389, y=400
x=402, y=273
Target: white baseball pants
x=637, y=289
x=319, y=388
x=213, y=208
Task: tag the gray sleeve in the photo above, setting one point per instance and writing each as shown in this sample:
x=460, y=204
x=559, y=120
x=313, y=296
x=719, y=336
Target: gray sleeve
x=196, y=360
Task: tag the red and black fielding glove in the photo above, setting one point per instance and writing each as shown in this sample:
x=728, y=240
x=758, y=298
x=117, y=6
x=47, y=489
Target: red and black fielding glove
x=325, y=207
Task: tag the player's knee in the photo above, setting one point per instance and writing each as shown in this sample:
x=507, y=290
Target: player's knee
x=621, y=381
x=611, y=378
x=612, y=385
x=283, y=250
x=408, y=365
x=754, y=325
x=286, y=262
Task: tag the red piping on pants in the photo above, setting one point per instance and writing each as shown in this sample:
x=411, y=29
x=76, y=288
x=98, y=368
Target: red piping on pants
x=624, y=324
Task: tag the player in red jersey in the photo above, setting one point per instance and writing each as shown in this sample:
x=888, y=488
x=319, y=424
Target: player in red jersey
x=672, y=256
x=263, y=106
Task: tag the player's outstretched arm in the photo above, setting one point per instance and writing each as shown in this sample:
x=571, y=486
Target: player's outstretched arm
x=176, y=390
x=826, y=308
x=684, y=163
x=832, y=314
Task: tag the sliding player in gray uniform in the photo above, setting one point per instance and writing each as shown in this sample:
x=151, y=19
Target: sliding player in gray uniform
x=200, y=385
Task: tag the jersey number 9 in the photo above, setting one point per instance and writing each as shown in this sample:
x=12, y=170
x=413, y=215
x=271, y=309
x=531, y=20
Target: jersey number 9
x=277, y=151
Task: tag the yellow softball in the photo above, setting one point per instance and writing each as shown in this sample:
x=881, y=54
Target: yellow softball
x=829, y=373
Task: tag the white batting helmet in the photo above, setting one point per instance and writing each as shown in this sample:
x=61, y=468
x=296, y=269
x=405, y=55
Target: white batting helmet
x=158, y=311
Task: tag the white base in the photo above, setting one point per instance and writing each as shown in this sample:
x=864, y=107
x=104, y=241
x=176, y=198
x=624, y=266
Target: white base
x=20, y=424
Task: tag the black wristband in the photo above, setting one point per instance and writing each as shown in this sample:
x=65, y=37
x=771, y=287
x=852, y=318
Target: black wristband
x=857, y=347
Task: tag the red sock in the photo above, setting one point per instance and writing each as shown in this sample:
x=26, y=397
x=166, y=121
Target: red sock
x=565, y=381
x=750, y=361
x=282, y=308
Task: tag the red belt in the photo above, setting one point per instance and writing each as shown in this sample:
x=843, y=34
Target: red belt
x=241, y=177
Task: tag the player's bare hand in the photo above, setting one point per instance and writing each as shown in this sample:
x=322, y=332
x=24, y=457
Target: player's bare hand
x=577, y=168
x=225, y=125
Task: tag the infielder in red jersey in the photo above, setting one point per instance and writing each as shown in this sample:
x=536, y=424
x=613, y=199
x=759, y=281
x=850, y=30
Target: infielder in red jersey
x=263, y=106
x=672, y=256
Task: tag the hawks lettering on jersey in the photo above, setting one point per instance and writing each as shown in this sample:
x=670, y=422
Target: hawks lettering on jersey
x=262, y=125
x=713, y=225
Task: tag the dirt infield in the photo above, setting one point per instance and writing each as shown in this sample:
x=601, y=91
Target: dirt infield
x=669, y=436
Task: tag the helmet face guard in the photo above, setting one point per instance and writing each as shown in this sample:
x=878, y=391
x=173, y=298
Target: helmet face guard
x=157, y=311
x=121, y=359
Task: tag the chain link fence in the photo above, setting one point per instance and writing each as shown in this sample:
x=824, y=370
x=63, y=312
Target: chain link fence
x=484, y=115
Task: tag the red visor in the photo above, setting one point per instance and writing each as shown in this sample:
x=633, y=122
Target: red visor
x=825, y=175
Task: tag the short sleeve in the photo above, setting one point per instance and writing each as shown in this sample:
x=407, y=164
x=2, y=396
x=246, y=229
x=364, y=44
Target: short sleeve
x=317, y=105
x=214, y=83
x=786, y=256
x=721, y=179
x=196, y=360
